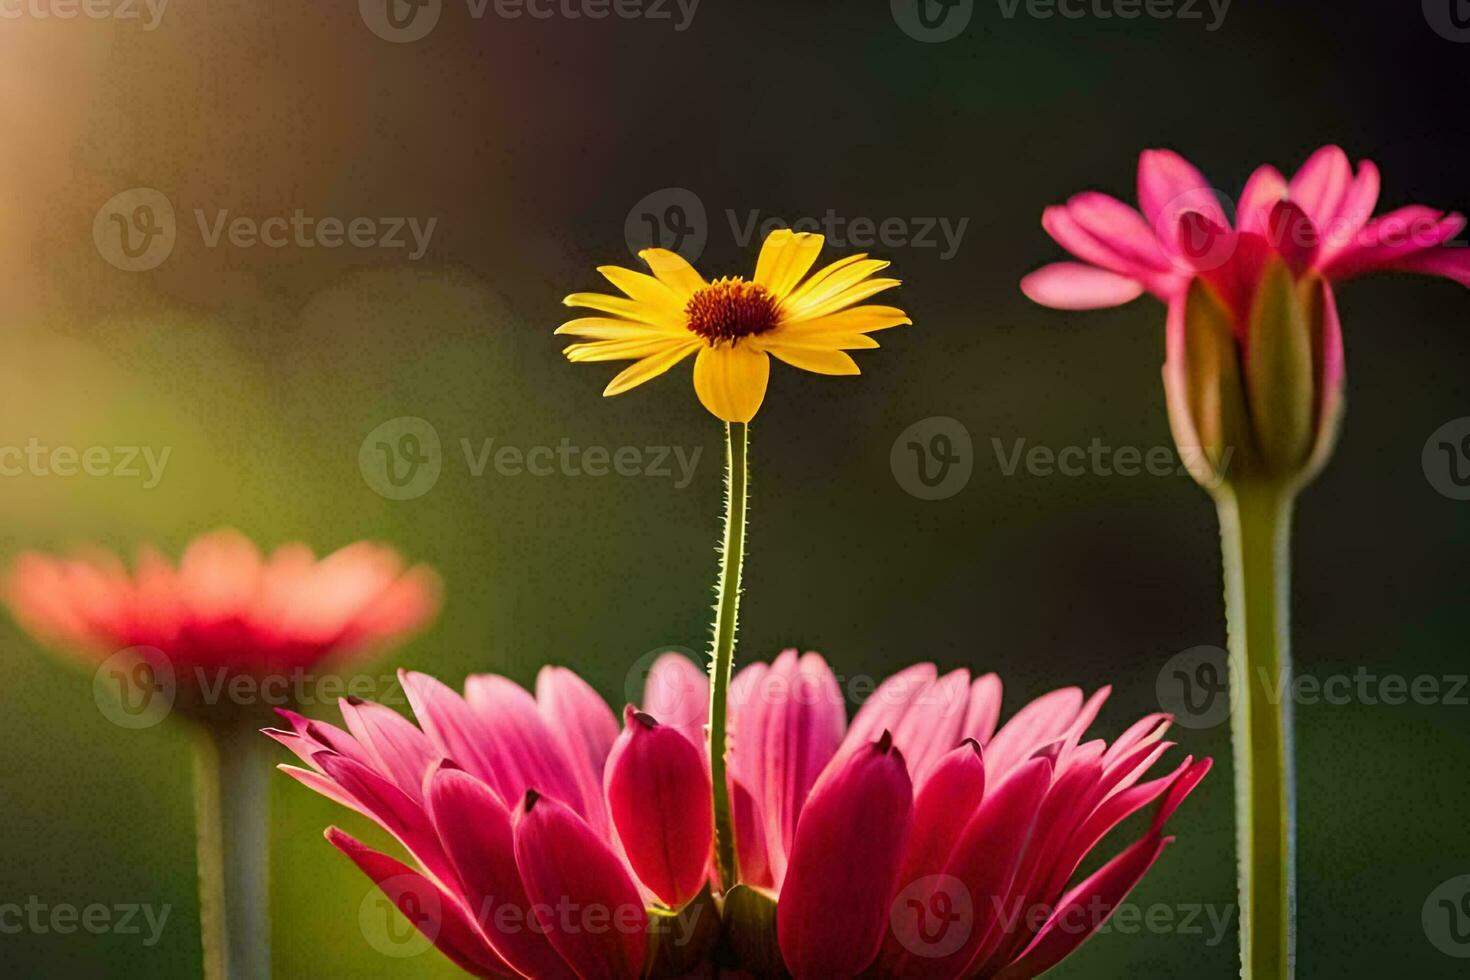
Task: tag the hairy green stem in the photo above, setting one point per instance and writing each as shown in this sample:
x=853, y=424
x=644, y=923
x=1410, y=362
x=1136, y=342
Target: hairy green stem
x=1255, y=529
x=722, y=656
x=232, y=814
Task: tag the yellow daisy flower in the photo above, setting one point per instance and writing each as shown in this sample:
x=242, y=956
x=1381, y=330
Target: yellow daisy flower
x=735, y=324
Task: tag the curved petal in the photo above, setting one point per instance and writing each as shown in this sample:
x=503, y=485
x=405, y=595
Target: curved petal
x=816, y=360
x=1169, y=185
x=731, y=381
x=586, y=728
x=584, y=900
x=474, y=825
x=649, y=367
x=833, y=908
x=673, y=271
x=1073, y=286
x=676, y=692
x=984, y=709
x=785, y=257
x=1262, y=192
x=658, y=793
x=393, y=742
x=1120, y=229
x=432, y=911
x=1318, y=187
x=526, y=753
x=1356, y=208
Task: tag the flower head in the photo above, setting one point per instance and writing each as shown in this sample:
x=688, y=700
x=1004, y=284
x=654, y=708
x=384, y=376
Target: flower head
x=734, y=324
x=513, y=804
x=225, y=611
x=1254, y=367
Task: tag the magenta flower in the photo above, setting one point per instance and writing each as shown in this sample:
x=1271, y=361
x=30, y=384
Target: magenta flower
x=529, y=816
x=1254, y=366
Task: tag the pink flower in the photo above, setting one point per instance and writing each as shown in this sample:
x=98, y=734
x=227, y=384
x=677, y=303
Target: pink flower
x=1254, y=366
x=225, y=610
x=522, y=809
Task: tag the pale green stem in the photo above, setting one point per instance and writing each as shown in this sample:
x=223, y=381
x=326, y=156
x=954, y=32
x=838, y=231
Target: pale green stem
x=1255, y=530
x=722, y=656
x=232, y=766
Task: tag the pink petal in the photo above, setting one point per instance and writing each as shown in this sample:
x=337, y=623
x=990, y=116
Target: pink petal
x=394, y=810
x=396, y=747
x=931, y=726
x=434, y=912
x=984, y=710
x=525, y=751
x=456, y=732
x=1168, y=186
x=888, y=703
x=1042, y=721
x=1119, y=228
x=750, y=837
x=833, y=908
x=585, y=727
x=803, y=725
x=985, y=860
x=1265, y=188
x=1319, y=186
x=941, y=810
x=474, y=826
x=587, y=905
x=658, y=792
x=1391, y=238
x=1072, y=286
x=677, y=694
x=1291, y=231
x=1356, y=208
x=1084, y=910
x=1449, y=263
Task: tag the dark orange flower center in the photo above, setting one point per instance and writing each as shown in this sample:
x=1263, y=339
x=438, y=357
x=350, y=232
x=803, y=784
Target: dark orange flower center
x=731, y=308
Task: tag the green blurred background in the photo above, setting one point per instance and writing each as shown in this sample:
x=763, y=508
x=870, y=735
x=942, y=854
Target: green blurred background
x=531, y=141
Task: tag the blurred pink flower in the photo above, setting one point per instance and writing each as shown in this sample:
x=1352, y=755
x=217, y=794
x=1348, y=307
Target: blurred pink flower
x=517, y=806
x=225, y=607
x=1320, y=221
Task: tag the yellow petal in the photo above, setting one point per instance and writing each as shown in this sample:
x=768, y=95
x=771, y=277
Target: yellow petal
x=826, y=340
x=650, y=367
x=731, y=381
x=630, y=308
x=847, y=297
x=621, y=350
x=608, y=328
x=643, y=288
x=785, y=258
x=828, y=283
x=673, y=271
x=818, y=360
x=857, y=319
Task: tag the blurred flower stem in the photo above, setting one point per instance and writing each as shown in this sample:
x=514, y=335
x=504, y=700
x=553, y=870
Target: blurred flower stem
x=1255, y=531
x=232, y=767
x=722, y=657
